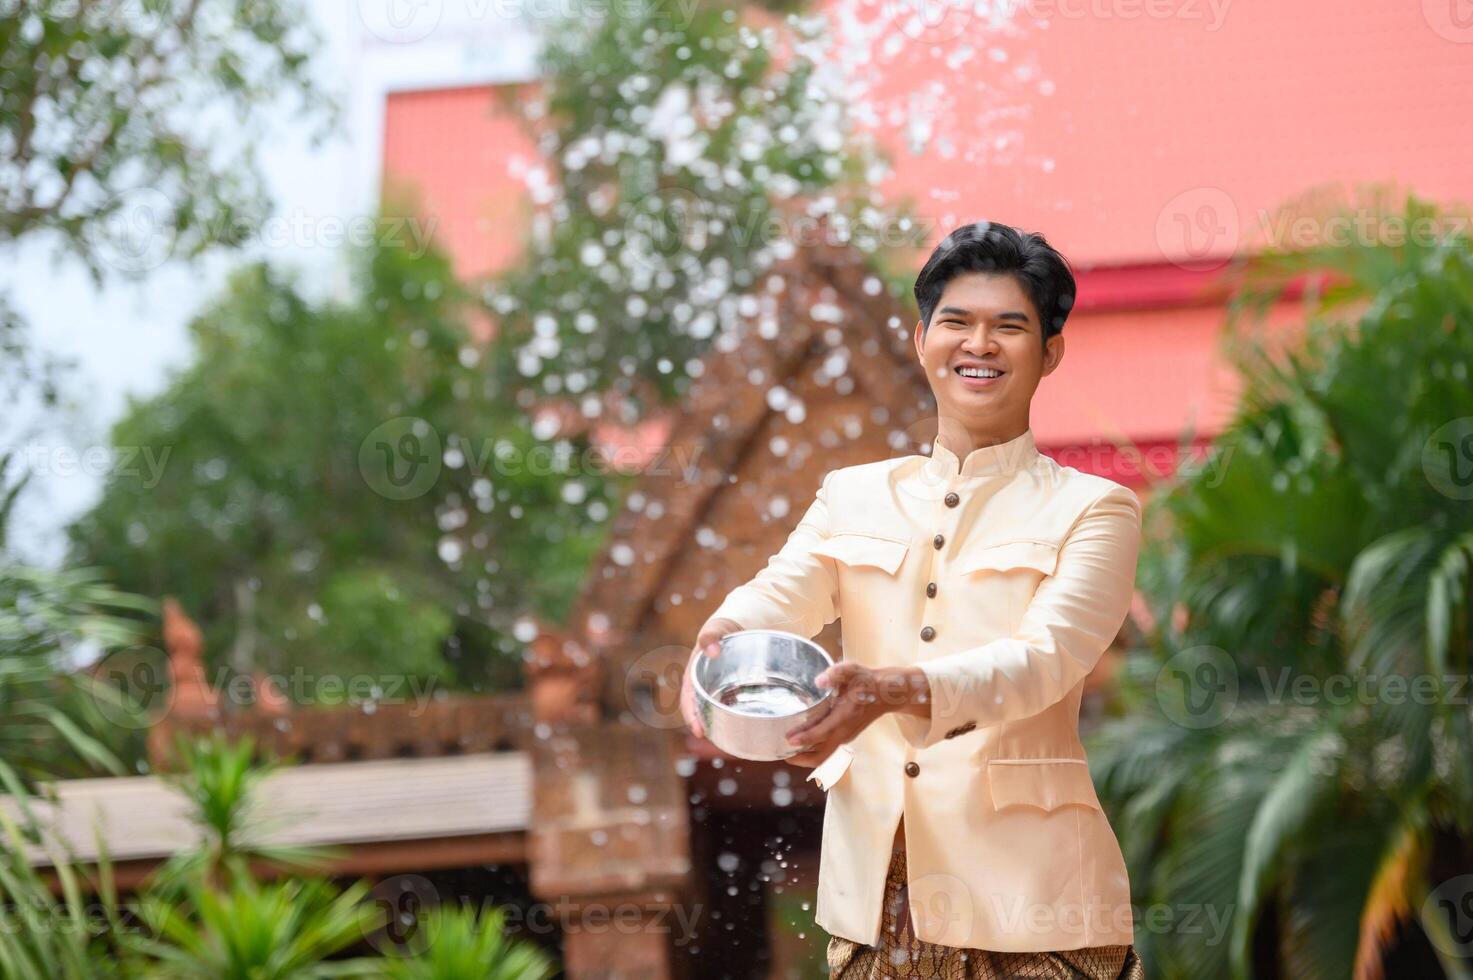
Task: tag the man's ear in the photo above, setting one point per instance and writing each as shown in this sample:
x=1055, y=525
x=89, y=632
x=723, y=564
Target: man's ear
x=1053, y=353
x=920, y=341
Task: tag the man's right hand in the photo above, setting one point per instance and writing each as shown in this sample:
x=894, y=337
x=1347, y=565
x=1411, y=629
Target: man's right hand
x=708, y=644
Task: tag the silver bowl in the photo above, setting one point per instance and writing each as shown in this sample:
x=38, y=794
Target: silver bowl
x=757, y=689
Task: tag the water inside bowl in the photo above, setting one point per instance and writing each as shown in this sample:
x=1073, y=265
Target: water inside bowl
x=766, y=697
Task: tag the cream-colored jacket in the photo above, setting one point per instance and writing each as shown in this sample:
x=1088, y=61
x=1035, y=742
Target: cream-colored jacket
x=1004, y=577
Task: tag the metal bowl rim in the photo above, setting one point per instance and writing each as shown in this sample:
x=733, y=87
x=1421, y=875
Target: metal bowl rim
x=695, y=675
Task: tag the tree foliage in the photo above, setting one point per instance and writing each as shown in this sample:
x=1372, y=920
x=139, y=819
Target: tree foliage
x=1295, y=756
x=128, y=128
x=338, y=486
x=687, y=148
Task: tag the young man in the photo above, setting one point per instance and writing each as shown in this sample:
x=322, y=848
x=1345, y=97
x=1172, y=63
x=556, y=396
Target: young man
x=976, y=587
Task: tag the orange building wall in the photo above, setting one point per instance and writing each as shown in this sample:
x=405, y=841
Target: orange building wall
x=1133, y=142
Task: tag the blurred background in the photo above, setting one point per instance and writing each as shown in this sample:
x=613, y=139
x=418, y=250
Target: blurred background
x=392, y=388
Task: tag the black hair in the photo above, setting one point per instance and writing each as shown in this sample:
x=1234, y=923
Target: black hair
x=984, y=246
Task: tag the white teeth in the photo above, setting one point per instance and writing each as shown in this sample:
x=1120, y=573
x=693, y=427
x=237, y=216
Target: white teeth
x=971, y=372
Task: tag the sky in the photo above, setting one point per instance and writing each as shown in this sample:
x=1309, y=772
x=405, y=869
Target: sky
x=127, y=337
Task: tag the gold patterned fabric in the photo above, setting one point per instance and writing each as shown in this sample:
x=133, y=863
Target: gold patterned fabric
x=900, y=955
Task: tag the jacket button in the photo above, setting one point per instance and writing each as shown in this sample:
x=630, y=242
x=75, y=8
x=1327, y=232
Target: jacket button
x=931, y=590
x=928, y=634
x=938, y=541
x=912, y=769
x=952, y=500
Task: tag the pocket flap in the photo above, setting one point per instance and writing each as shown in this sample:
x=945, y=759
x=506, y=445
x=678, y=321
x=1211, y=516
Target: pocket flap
x=1044, y=783
x=862, y=548
x=1018, y=553
x=827, y=772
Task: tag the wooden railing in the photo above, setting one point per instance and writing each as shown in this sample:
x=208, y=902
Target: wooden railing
x=450, y=725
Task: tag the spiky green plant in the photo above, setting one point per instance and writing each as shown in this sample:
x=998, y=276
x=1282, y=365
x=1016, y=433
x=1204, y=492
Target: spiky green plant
x=222, y=779
x=457, y=943
x=1265, y=770
x=54, y=721
x=44, y=936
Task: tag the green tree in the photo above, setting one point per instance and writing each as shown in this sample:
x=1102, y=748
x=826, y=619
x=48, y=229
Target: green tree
x=337, y=486
x=129, y=127
x=690, y=147
x=1267, y=767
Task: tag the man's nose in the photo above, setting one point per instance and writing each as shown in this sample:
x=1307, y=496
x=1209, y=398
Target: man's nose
x=981, y=342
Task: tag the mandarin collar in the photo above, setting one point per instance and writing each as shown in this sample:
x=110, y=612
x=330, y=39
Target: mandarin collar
x=1014, y=456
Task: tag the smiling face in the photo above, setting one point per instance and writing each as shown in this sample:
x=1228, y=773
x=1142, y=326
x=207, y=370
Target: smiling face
x=984, y=355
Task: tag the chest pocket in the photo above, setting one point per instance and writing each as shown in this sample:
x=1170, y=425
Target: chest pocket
x=1002, y=576
x=1000, y=556
x=858, y=548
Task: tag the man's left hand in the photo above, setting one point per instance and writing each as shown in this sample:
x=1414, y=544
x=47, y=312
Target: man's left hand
x=856, y=704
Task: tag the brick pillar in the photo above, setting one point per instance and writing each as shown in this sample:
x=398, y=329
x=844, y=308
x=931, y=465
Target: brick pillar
x=192, y=708
x=610, y=849
x=563, y=679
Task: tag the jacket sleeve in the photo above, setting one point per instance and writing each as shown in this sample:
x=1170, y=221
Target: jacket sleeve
x=1071, y=620
x=798, y=590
